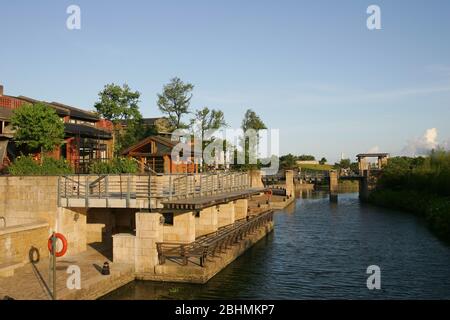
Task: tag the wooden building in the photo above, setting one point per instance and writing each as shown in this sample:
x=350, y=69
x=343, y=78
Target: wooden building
x=155, y=153
x=87, y=137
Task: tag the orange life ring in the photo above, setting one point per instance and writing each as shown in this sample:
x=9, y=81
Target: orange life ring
x=64, y=242
x=269, y=193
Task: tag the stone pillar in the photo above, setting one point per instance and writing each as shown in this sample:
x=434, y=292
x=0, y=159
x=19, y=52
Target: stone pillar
x=124, y=248
x=334, y=185
x=226, y=214
x=206, y=221
x=364, y=186
x=290, y=189
x=241, y=209
x=183, y=228
x=363, y=165
x=256, y=179
x=149, y=230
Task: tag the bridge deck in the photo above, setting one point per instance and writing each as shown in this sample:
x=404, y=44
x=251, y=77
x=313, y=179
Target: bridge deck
x=208, y=201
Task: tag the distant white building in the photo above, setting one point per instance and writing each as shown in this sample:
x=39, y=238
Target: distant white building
x=300, y=162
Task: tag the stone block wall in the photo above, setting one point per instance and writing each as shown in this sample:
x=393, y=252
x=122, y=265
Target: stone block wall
x=28, y=199
x=94, y=232
x=226, y=214
x=182, y=230
x=241, y=209
x=149, y=231
x=31, y=199
x=124, y=247
x=206, y=222
x=16, y=242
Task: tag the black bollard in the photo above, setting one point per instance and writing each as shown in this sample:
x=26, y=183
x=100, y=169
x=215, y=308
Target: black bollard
x=105, y=269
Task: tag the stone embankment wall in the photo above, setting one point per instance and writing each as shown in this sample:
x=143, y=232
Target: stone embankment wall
x=33, y=199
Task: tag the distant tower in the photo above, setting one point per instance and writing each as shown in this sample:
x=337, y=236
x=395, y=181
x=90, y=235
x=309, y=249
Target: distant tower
x=342, y=156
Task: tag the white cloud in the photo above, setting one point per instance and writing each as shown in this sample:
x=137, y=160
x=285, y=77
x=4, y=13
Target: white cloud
x=374, y=149
x=424, y=144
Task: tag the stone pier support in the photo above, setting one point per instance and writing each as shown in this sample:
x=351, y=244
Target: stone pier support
x=149, y=230
x=334, y=185
x=183, y=228
x=364, y=186
x=241, y=209
x=256, y=179
x=206, y=221
x=226, y=214
x=290, y=188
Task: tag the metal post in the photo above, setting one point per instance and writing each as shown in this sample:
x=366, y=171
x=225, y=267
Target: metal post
x=170, y=186
x=86, y=191
x=106, y=191
x=128, y=191
x=52, y=266
x=59, y=191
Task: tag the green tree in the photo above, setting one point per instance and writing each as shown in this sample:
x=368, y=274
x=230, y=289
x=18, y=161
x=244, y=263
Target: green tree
x=251, y=121
x=206, y=119
x=118, y=103
x=121, y=104
x=288, y=161
x=306, y=157
x=175, y=101
x=323, y=161
x=38, y=127
x=344, y=164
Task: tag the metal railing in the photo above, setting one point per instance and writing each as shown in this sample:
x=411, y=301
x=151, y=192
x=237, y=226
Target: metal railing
x=214, y=243
x=150, y=186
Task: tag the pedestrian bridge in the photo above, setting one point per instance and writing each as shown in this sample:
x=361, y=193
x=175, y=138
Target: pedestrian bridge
x=172, y=191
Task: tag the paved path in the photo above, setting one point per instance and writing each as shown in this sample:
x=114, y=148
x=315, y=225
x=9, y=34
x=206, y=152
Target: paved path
x=30, y=281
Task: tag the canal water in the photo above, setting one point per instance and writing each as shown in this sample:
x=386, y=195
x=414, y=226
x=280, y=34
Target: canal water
x=321, y=250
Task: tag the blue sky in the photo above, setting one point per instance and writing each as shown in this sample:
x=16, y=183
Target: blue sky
x=309, y=68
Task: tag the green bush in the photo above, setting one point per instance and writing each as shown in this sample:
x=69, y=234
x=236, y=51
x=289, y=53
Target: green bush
x=435, y=209
x=27, y=166
x=426, y=175
x=115, y=166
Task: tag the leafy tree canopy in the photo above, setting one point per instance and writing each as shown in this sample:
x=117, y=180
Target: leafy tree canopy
x=207, y=119
x=118, y=103
x=252, y=121
x=38, y=127
x=175, y=101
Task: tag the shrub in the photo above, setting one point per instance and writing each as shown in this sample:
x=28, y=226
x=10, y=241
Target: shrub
x=115, y=166
x=27, y=166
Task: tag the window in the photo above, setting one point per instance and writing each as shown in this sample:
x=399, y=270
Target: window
x=168, y=218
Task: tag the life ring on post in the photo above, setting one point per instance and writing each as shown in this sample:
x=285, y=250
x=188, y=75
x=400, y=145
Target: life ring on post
x=64, y=243
x=269, y=193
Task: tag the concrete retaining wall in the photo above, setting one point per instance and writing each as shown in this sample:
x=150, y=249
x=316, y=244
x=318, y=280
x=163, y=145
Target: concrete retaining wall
x=16, y=242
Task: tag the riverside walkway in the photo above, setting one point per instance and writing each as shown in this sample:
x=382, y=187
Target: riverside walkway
x=151, y=191
x=31, y=282
x=214, y=243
